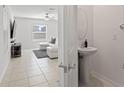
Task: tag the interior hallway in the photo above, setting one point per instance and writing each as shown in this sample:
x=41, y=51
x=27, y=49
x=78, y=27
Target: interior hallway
x=28, y=71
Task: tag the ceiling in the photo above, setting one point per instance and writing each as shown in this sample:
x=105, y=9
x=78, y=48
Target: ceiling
x=33, y=11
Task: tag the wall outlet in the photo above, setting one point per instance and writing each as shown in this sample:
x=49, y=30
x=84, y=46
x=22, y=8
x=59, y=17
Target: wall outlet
x=114, y=37
x=123, y=65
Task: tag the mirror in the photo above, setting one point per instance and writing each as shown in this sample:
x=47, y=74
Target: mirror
x=82, y=24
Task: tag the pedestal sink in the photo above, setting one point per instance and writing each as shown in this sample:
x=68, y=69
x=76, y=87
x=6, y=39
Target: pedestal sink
x=87, y=51
x=85, y=64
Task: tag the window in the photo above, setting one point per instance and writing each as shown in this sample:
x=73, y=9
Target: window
x=39, y=32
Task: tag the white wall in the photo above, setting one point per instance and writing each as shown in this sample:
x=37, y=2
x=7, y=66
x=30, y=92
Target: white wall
x=5, y=17
x=109, y=40
x=85, y=24
x=24, y=31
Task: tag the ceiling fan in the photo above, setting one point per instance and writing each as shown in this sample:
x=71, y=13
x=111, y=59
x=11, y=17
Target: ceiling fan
x=50, y=17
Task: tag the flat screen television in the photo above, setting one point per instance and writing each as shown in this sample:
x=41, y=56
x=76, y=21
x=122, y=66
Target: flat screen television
x=12, y=29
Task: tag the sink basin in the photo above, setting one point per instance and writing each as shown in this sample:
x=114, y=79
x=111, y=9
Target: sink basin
x=87, y=51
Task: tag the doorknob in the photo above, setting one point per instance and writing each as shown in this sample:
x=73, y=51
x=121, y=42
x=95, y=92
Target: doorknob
x=64, y=67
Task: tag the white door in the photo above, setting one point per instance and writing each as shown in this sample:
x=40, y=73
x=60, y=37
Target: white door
x=68, y=56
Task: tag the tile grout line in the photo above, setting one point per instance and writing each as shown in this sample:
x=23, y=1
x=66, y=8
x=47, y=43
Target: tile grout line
x=26, y=76
x=41, y=70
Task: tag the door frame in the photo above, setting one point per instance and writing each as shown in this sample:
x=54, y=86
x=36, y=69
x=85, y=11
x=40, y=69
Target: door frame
x=67, y=55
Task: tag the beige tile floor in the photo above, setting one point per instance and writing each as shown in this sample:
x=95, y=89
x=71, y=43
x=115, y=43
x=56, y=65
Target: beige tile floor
x=28, y=71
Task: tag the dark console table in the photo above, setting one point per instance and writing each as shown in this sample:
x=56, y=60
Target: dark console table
x=16, y=50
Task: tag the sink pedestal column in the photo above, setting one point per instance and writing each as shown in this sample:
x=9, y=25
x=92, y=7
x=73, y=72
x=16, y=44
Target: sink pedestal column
x=84, y=70
x=85, y=64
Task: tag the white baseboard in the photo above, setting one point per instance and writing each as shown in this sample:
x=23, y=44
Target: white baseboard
x=3, y=72
x=102, y=80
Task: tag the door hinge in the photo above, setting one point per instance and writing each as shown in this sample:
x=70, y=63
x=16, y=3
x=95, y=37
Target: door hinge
x=71, y=67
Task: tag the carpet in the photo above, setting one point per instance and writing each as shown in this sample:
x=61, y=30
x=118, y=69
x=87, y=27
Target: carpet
x=40, y=53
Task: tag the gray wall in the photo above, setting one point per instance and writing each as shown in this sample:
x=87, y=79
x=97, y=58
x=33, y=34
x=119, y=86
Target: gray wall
x=104, y=33
x=109, y=40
